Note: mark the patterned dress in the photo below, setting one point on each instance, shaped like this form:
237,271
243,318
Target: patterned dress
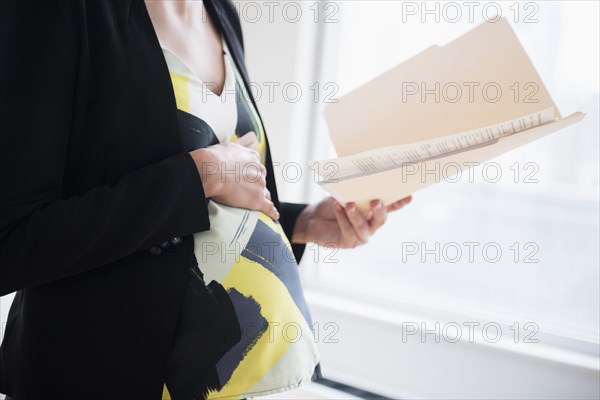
245,329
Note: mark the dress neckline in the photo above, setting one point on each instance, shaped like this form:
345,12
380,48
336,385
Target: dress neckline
229,75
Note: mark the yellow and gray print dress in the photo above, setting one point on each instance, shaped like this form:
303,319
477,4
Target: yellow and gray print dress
248,331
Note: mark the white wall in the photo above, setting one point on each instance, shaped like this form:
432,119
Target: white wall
281,46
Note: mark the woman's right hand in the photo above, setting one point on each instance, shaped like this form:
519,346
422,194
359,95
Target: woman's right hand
232,174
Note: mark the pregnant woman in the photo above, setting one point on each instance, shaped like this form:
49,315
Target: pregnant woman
139,220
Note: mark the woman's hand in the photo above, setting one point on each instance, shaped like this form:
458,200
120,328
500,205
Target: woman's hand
328,223
232,174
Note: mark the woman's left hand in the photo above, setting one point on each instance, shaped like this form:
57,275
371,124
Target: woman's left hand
330,224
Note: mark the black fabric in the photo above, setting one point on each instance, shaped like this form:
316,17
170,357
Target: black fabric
195,133
289,214
93,174
212,329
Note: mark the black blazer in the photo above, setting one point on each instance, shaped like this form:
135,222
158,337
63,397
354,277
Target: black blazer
92,176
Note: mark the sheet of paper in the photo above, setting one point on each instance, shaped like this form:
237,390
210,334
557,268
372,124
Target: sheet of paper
481,79
394,184
386,158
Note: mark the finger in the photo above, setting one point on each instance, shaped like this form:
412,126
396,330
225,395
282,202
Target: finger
248,140
254,172
263,171
358,221
267,194
268,208
273,213
251,173
256,154
348,236
379,215
252,151
398,204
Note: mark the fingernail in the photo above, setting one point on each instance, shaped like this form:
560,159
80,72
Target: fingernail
351,207
338,206
379,205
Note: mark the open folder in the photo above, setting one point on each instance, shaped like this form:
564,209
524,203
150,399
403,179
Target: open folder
446,109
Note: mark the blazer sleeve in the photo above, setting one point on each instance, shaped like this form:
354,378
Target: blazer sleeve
289,214
44,236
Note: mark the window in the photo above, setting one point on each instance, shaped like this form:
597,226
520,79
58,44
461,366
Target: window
524,248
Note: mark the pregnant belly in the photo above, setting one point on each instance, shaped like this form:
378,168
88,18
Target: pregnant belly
249,255
237,232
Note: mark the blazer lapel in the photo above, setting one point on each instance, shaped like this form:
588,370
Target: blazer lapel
223,14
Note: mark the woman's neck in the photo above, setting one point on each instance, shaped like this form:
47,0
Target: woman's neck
184,27
186,12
